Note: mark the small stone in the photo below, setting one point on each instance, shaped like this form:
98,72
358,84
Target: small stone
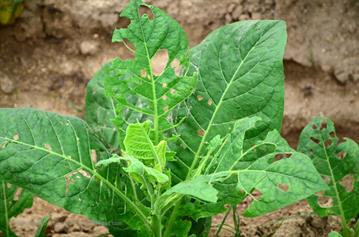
89,47
60,228
6,84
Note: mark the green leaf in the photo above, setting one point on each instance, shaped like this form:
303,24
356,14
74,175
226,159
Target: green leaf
100,109
13,201
275,172
54,157
240,74
338,163
199,187
334,234
150,95
41,230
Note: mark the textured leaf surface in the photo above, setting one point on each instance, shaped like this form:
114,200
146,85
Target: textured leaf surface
240,74
100,109
52,156
270,172
13,201
338,163
140,89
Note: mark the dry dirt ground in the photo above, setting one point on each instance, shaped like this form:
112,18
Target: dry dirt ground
52,51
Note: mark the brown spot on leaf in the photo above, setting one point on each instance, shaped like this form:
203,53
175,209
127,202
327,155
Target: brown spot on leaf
176,65
172,91
143,73
201,132
348,183
164,85
199,97
283,187
341,155
84,173
94,156
166,108
325,202
280,156
16,137
326,179
48,147
164,97
159,61
17,194
328,143
210,102
315,140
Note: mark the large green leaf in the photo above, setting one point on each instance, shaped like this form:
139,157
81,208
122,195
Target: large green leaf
100,109
13,201
275,172
54,157
338,163
240,74
150,95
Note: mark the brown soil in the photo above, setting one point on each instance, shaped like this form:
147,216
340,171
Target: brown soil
51,52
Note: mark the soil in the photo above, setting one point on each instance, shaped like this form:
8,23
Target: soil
54,48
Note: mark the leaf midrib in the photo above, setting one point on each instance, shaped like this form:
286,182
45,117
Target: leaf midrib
229,84
94,173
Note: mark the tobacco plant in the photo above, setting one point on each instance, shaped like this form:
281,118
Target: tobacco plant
338,164
162,151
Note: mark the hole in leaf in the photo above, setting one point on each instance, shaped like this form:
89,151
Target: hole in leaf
280,156
201,132
315,140
210,102
283,187
176,65
325,202
341,155
144,10
348,183
328,143
94,156
16,137
159,61
48,147
122,22
332,134
323,126
314,126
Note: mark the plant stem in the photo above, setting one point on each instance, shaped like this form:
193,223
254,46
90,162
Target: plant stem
236,222
222,222
157,225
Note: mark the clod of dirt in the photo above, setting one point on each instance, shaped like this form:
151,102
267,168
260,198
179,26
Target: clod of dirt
294,228
89,47
6,84
61,228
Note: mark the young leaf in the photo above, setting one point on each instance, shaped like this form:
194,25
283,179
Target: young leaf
52,156
338,163
139,89
13,201
41,230
100,109
240,74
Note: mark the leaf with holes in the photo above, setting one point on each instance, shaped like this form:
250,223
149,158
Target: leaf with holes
50,155
143,89
240,74
13,201
338,163
270,172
